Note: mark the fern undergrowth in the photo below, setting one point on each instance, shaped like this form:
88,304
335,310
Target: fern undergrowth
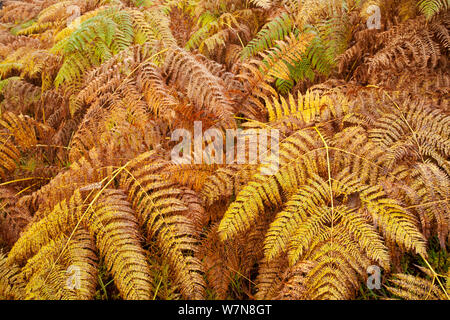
92,205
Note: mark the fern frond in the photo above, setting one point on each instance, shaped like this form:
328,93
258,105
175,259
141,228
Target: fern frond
432,7
60,272
14,218
411,287
99,37
265,4
119,243
160,213
21,128
280,59
9,155
275,30
306,108
112,222
11,285
204,89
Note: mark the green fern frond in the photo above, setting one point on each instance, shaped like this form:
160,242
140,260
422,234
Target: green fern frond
275,30
432,7
280,59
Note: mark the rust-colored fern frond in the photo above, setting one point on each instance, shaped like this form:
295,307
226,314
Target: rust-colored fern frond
206,91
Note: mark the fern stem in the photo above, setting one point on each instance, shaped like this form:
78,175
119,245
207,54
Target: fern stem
435,276
329,181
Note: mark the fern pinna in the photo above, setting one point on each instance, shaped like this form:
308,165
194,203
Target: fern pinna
93,207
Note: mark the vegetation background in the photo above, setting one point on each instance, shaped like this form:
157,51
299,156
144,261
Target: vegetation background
93,208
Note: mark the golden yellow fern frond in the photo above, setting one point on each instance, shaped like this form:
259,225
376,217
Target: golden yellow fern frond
49,283
291,114
63,269
160,212
77,259
21,128
225,182
119,243
339,266
411,287
111,221
266,190
12,286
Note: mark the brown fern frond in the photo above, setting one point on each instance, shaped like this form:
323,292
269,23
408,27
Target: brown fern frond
20,11
205,90
14,218
20,97
424,189
9,155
